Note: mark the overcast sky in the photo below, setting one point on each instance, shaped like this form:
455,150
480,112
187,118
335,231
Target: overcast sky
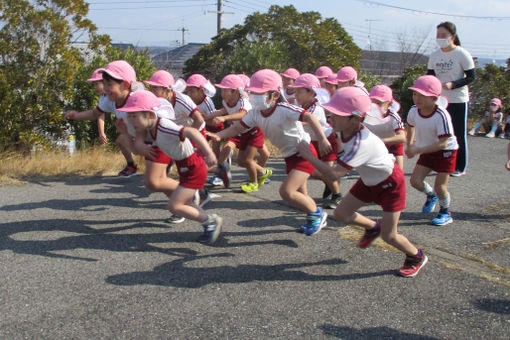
483,26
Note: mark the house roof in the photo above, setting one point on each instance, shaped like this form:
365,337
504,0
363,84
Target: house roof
387,63
175,58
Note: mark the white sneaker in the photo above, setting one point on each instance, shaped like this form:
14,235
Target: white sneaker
216,181
175,219
490,135
471,132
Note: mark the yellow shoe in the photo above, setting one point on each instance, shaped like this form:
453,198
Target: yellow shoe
250,187
262,179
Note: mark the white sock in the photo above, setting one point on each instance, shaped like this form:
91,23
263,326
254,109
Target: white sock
427,190
445,202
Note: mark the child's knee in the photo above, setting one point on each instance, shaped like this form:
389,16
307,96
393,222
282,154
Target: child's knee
389,238
342,215
151,184
416,182
284,193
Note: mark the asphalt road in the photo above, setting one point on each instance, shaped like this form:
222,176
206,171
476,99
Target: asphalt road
93,258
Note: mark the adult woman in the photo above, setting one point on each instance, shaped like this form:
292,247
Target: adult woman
454,66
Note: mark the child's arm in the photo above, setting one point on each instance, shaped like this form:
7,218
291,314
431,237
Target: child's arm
141,148
400,137
324,145
438,146
231,131
324,168
100,127
84,115
198,120
216,113
410,141
122,128
196,136
228,118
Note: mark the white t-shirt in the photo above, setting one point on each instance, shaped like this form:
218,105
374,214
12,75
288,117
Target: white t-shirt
167,110
390,125
281,126
317,110
106,105
289,98
206,107
366,153
169,139
498,116
428,129
450,66
184,107
243,104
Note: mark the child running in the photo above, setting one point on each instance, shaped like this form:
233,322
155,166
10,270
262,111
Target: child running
381,180
250,141
385,122
175,141
430,135
97,82
306,86
119,80
288,78
493,120
281,123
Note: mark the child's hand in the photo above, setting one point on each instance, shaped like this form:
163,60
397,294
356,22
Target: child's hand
71,115
147,151
507,165
304,149
210,159
102,138
410,151
214,137
324,147
121,126
218,120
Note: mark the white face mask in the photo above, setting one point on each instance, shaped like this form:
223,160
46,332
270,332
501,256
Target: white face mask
494,107
443,43
259,101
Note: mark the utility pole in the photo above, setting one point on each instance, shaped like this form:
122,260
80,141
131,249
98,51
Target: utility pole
183,30
220,13
370,32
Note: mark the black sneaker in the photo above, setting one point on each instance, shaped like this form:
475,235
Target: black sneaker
326,192
128,171
212,229
333,202
205,197
175,219
224,174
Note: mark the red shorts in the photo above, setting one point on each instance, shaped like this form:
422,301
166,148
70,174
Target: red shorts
161,157
215,129
255,137
390,194
439,161
192,172
396,149
331,156
296,162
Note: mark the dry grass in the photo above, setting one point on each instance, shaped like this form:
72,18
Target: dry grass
16,168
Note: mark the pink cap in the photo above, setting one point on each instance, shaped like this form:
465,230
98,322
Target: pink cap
307,80
323,72
497,101
291,73
121,70
381,92
97,75
231,81
161,78
428,86
347,73
196,80
142,100
265,80
245,79
331,79
349,101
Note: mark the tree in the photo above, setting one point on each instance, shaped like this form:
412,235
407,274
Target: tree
401,85
37,66
491,81
301,40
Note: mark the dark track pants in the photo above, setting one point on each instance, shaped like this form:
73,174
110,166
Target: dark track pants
459,114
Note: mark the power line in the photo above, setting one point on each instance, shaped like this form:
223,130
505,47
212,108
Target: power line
144,7
376,3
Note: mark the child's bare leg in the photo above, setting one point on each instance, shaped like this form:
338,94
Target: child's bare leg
293,191
123,143
246,159
390,235
400,161
418,177
263,156
156,180
346,212
180,203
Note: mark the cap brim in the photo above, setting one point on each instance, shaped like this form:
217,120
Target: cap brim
152,83
225,87
258,89
425,93
111,74
91,80
335,111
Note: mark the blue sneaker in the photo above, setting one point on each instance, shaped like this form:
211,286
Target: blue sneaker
315,222
215,180
442,219
430,204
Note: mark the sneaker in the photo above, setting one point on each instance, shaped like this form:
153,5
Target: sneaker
262,179
501,135
196,198
128,171
430,204
175,219
413,265
215,180
326,192
205,197
333,202
212,229
457,173
490,135
442,219
315,222
169,168
250,187
369,236
472,132
224,174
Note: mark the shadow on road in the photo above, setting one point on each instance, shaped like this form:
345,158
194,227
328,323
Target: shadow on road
370,333
493,305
